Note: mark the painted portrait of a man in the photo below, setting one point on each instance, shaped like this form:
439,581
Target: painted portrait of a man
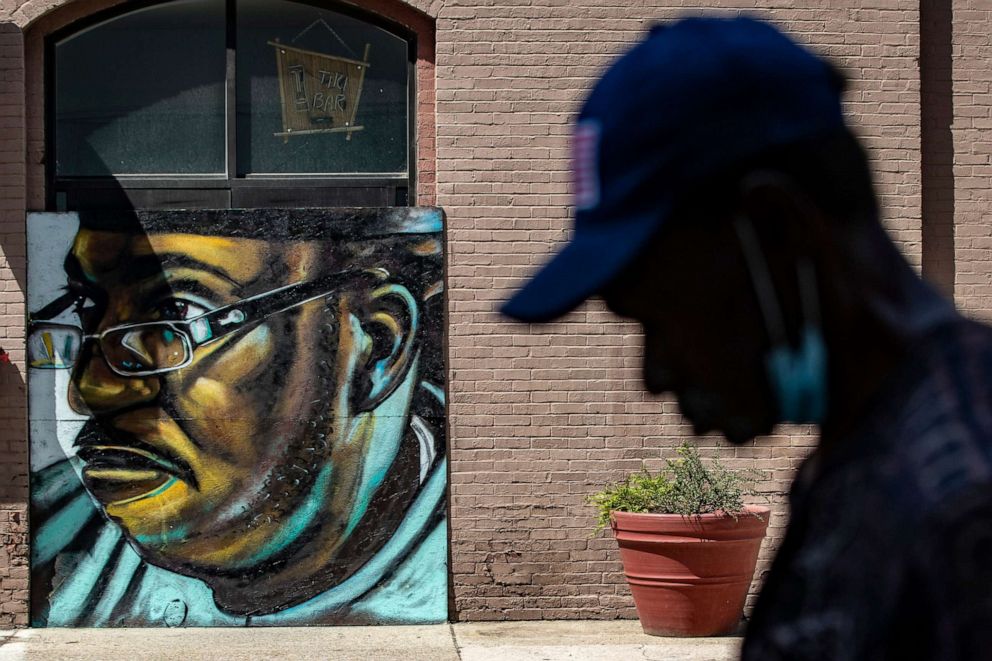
237,418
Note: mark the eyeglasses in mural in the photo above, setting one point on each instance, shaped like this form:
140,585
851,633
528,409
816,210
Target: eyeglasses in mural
237,417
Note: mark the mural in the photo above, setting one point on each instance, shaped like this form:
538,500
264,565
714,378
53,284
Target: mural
237,418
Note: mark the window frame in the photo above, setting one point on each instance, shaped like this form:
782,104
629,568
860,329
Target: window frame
166,191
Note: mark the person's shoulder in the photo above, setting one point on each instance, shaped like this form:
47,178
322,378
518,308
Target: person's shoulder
956,389
968,336
941,437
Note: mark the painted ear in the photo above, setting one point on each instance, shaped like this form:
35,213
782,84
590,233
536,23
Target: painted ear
390,323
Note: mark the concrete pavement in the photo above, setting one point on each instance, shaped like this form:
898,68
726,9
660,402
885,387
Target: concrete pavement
503,641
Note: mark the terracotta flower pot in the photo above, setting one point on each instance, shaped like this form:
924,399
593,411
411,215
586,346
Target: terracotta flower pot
689,574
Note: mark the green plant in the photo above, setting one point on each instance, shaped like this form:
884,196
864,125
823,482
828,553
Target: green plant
687,487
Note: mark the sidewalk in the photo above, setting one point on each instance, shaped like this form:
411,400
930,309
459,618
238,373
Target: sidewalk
503,641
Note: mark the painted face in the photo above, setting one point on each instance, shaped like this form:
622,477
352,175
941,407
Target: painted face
254,449
704,339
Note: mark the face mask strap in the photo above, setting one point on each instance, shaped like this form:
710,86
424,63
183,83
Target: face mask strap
761,280
798,377
809,297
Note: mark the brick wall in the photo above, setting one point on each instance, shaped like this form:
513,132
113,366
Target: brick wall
13,267
972,162
541,417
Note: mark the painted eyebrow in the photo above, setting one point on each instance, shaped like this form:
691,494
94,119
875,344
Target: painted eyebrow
183,285
146,266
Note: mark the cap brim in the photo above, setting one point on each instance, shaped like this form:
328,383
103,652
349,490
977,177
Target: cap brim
582,268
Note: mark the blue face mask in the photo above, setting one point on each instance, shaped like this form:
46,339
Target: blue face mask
797,376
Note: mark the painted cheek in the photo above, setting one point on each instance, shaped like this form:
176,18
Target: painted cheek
219,403
221,416
243,358
226,387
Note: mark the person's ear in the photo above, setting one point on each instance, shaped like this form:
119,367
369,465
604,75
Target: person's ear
790,229
390,322
784,217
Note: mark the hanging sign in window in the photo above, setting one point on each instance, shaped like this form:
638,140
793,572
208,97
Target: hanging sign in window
320,93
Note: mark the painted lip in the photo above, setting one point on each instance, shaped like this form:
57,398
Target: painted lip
119,467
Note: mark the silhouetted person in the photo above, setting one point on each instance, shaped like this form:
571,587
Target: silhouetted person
722,203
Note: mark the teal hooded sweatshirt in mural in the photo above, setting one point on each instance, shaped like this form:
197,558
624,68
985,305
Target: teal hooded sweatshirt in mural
98,579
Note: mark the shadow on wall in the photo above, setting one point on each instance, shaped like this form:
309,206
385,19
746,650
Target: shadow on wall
12,247
937,143
13,469
13,494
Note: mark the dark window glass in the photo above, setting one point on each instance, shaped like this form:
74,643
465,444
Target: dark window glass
307,102
143,93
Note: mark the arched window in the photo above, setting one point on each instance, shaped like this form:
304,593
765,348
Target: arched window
230,104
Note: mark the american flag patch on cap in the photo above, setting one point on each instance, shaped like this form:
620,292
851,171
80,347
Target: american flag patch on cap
585,166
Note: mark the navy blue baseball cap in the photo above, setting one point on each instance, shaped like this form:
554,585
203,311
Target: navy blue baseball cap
695,97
